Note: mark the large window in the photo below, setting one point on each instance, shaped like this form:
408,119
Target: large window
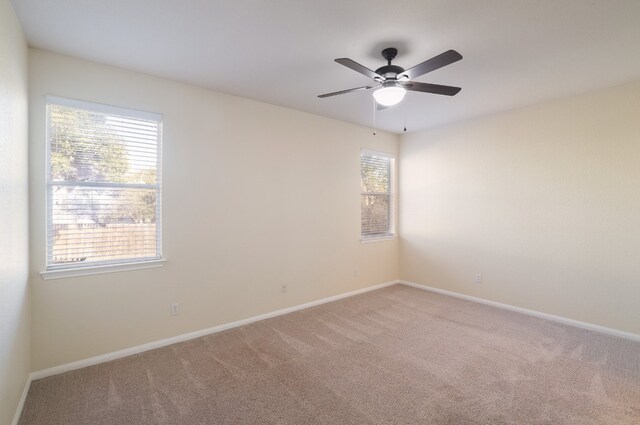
376,196
103,185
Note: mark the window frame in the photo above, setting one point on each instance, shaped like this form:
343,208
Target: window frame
54,271
392,233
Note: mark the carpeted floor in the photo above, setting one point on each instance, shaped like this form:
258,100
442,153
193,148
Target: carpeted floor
398,355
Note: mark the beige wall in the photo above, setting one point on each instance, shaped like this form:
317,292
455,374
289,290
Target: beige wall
15,339
254,195
543,201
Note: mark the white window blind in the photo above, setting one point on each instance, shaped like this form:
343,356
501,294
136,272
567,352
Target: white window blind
103,185
376,197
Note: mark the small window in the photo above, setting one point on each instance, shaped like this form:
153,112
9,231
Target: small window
376,196
103,185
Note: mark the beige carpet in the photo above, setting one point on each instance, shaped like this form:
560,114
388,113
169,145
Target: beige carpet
394,356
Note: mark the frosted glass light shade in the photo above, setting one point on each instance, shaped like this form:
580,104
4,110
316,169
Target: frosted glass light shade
389,96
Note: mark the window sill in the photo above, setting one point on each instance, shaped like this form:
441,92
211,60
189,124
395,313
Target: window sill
110,268
378,239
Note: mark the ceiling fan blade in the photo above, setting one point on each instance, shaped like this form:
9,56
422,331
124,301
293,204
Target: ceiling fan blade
335,93
431,88
359,68
436,62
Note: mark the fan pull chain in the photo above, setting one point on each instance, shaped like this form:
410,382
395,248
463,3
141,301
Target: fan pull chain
374,117
404,107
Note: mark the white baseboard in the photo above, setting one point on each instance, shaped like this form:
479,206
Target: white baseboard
534,313
192,335
23,398
196,334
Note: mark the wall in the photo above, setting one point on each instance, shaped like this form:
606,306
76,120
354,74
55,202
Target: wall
254,195
543,201
15,339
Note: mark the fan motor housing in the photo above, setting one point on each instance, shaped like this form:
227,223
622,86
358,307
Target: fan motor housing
390,71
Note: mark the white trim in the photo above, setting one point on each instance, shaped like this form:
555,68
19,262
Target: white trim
377,238
185,337
100,269
196,334
528,312
379,154
103,108
23,398
159,193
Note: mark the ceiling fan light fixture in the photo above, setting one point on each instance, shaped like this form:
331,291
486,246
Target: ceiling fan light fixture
389,95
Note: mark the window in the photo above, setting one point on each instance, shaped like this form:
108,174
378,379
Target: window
376,196
103,185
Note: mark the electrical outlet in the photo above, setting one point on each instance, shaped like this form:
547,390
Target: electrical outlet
174,309
478,278
283,287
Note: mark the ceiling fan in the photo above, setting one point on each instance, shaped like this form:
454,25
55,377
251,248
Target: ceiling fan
393,81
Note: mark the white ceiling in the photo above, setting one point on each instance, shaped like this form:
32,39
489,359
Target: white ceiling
516,52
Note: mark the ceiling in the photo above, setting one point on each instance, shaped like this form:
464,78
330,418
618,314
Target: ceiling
516,52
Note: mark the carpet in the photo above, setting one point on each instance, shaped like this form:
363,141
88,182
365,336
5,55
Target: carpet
398,355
